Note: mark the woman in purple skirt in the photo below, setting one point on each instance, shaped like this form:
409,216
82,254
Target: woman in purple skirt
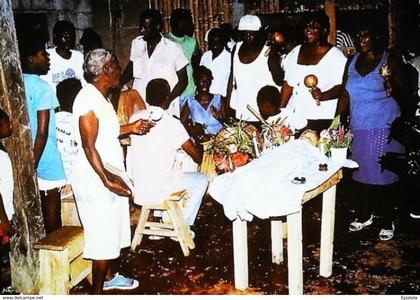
374,88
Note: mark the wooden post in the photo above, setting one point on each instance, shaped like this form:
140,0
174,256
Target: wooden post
391,24
240,253
276,242
330,12
327,232
294,253
28,217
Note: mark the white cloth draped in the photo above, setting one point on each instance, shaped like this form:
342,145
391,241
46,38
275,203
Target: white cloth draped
264,188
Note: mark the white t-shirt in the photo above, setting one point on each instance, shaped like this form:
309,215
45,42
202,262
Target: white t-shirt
329,72
66,141
249,79
6,183
220,69
167,59
150,160
61,68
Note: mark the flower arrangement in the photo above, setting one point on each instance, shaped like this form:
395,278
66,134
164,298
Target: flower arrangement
235,145
276,133
336,136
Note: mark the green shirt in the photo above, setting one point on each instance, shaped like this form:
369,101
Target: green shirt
189,45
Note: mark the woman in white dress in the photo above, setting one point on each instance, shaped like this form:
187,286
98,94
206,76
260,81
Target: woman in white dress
100,195
316,56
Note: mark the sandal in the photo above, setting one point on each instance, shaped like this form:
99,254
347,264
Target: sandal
387,234
357,226
415,215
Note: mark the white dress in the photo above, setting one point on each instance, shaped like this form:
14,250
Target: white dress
329,72
105,216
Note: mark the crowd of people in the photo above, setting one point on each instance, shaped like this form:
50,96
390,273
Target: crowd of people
180,97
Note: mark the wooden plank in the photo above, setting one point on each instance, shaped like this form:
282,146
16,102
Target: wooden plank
160,225
179,229
69,214
277,242
333,180
138,233
327,232
240,253
54,272
80,268
60,238
28,217
294,253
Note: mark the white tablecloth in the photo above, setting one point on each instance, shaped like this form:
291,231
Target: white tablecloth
264,188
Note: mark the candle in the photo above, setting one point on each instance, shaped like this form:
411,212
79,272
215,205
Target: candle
254,140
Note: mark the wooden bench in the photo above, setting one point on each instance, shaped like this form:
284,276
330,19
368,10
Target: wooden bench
61,263
176,227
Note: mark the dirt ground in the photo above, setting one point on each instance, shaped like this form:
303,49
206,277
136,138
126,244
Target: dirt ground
362,263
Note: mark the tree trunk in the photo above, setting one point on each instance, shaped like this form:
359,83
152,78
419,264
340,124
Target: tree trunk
28,217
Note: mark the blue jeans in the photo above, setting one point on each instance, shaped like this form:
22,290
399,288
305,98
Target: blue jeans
196,184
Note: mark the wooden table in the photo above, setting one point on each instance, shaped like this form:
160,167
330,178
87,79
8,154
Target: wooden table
294,240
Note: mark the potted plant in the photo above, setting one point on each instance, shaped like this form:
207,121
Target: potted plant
336,140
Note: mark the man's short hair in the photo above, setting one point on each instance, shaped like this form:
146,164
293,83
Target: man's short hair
67,91
157,90
269,94
29,44
153,14
62,26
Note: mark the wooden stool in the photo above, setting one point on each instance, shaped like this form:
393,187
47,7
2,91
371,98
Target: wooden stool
176,227
69,215
61,263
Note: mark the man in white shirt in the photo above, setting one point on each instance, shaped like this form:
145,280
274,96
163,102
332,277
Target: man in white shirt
151,157
154,56
64,61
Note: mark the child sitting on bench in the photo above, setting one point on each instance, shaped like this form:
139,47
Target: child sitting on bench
151,157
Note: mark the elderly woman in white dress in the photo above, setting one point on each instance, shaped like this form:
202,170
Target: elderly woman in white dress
101,196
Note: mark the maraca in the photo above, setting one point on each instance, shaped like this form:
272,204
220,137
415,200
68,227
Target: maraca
385,72
311,81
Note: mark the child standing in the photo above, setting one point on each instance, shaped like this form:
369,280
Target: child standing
268,101
42,101
67,91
